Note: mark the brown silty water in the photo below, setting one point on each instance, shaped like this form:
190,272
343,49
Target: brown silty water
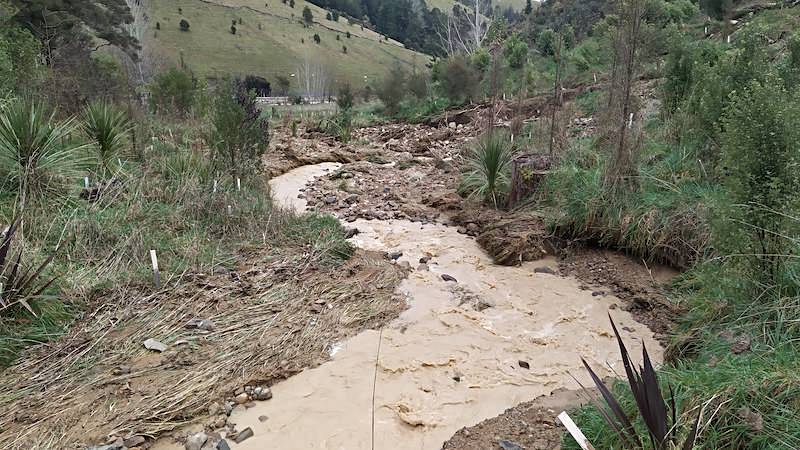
463,351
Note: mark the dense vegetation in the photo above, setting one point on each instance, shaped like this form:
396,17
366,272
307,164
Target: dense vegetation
703,177
92,179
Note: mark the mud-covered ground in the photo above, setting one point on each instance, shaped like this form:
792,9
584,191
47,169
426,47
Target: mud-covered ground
531,425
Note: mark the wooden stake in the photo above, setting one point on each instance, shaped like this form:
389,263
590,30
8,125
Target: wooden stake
156,273
576,432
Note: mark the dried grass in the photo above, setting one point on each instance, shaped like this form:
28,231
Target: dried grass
274,316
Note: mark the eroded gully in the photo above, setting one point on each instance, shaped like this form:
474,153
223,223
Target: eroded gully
462,352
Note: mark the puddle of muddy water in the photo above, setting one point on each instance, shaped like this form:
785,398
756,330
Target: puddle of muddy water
453,358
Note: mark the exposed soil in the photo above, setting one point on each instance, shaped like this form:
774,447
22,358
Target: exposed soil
401,172
531,425
639,285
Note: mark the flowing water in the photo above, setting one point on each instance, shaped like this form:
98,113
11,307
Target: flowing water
463,351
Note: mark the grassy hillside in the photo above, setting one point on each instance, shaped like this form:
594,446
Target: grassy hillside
268,42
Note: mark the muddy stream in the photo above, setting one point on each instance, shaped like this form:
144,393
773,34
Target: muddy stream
462,352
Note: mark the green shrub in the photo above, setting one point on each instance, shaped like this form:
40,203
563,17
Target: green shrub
761,174
481,59
173,91
418,84
240,135
458,79
392,89
516,52
345,97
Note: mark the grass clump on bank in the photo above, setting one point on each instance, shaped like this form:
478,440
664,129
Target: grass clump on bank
195,205
732,184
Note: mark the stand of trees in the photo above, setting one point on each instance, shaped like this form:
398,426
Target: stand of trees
408,21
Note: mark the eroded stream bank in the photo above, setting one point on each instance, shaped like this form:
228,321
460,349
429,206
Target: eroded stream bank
476,339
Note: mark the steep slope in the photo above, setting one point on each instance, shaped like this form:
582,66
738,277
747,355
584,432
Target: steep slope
270,40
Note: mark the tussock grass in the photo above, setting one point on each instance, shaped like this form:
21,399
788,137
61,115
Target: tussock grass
666,220
736,348
163,200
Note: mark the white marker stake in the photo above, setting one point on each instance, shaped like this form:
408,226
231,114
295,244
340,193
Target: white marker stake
215,186
86,182
156,273
573,429
230,210
119,161
729,39
238,184
630,121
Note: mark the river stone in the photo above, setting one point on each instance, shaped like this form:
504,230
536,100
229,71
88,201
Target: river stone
395,255
243,435
223,445
152,344
546,270
262,393
195,441
508,445
242,398
134,441
200,324
447,277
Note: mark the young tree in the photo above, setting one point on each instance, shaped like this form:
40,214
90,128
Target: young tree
516,52
308,16
760,159
558,49
458,79
284,83
173,91
240,136
345,97
392,89
627,44
528,7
